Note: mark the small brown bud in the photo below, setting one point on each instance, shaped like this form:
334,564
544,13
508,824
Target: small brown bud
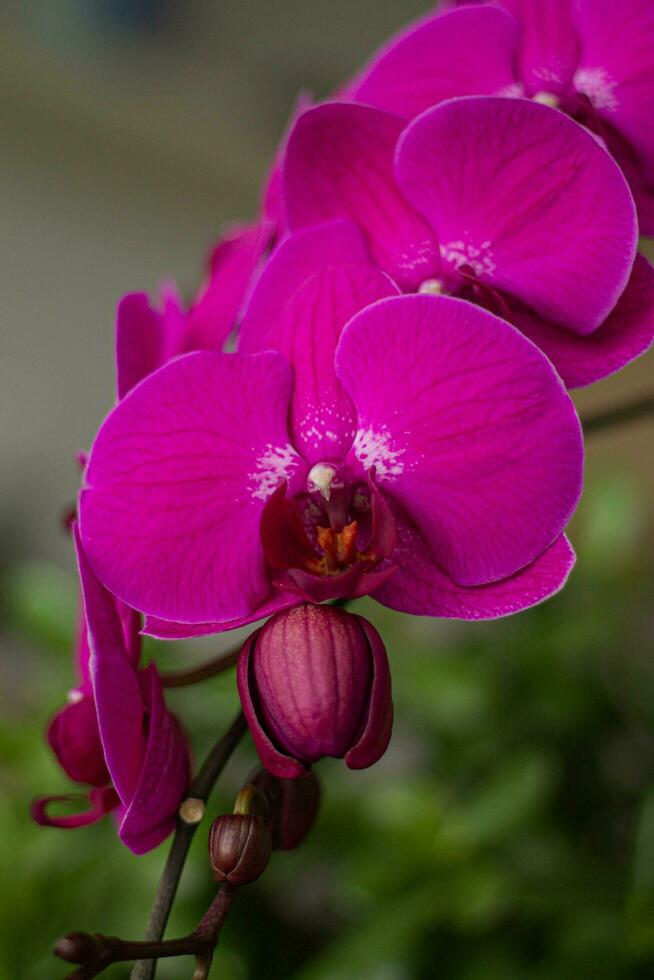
239,848
294,805
76,947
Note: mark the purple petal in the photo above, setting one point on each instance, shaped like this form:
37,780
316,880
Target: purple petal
421,588
339,164
101,801
164,630
164,777
461,52
376,731
276,761
468,426
176,483
139,341
549,48
233,266
625,335
116,690
296,260
146,337
616,69
74,737
528,199
305,328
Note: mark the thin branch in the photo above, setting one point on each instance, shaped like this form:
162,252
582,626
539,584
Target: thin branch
640,408
101,951
182,678
200,790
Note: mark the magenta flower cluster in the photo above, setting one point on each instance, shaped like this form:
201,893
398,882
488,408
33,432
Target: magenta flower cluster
370,394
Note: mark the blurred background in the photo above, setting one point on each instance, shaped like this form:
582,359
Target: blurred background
509,831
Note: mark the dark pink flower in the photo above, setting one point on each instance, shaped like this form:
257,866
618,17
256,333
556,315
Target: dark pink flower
147,336
593,59
503,202
418,440
116,734
314,681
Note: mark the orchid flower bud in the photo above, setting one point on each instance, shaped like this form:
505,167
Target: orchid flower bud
294,804
314,681
239,848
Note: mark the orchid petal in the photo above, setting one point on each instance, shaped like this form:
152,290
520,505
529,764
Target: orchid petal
528,200
625,335
339,164
74,737
116,690
162,629
233,265
139,341
467,426
461,52
305,328
176,483
164,776
616,69
421,588
549,48
100,802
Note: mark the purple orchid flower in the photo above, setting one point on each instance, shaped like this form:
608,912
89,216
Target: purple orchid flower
117,735
593,59
503,202
419,449
147,336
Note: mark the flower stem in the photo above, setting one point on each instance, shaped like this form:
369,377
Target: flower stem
200,789
105,950
182,678
630,412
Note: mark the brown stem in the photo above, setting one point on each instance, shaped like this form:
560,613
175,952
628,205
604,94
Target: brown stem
105,950
637,409
200,790
182,678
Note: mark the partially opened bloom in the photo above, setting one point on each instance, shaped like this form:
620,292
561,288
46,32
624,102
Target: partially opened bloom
506,203
593,59
117,735
314,681
427,454
149,335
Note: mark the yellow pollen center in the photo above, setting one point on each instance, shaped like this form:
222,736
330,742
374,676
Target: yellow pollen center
547,98
431,287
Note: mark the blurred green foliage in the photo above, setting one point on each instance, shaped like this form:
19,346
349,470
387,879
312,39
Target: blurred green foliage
507,834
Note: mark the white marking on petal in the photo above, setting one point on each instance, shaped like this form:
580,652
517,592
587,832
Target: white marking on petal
374,447
74,696
276,463
597,84
479,258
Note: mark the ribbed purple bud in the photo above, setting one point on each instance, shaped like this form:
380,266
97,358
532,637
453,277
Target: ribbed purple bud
314,681
293,807
239,848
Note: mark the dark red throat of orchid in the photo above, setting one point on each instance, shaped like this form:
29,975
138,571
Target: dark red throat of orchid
329,528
